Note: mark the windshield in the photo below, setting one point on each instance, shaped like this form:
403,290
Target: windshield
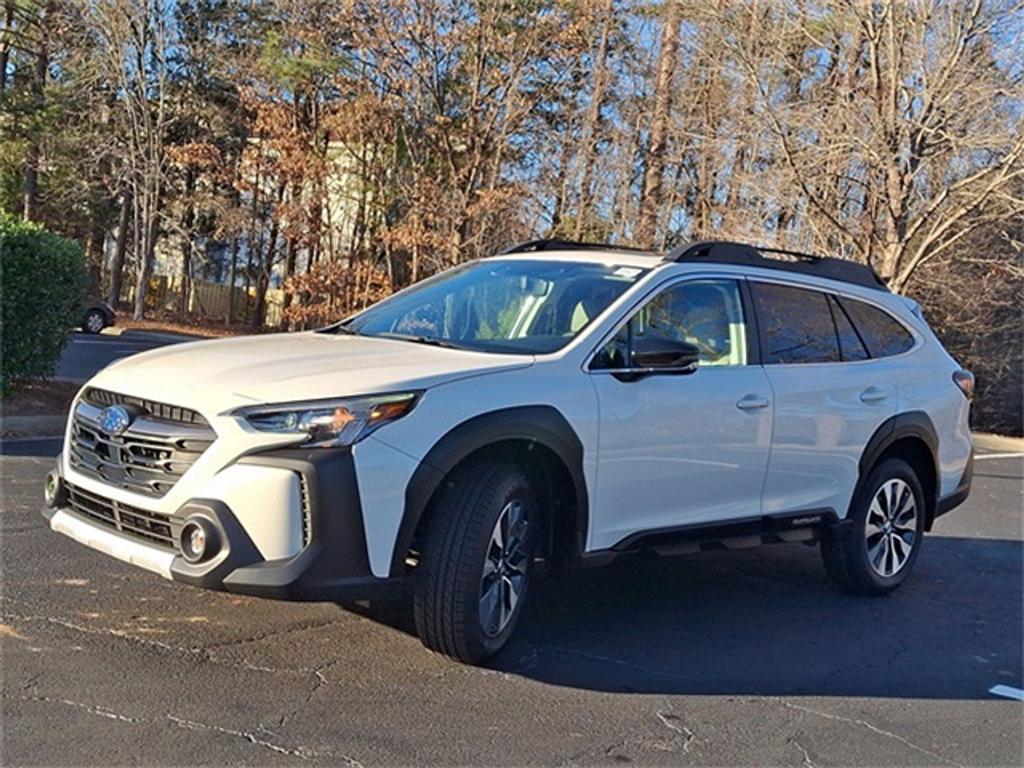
529,306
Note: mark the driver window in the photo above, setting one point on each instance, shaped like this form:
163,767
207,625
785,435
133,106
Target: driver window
705,313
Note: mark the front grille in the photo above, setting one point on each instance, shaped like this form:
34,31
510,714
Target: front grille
151,527
148,458
160,411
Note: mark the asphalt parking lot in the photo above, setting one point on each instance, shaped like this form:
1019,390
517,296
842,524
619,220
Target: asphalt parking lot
746,658
86,354
743,658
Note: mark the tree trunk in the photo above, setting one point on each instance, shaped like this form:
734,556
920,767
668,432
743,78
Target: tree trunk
291,254
590,128
149,223
651,194
5,44
231,280
188,220
30,210
94,252
267,268
561,199
117,262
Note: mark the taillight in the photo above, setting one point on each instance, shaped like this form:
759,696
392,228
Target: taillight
965,380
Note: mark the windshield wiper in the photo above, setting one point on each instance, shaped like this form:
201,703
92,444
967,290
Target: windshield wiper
432,341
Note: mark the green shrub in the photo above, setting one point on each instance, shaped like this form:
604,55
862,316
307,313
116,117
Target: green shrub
42,285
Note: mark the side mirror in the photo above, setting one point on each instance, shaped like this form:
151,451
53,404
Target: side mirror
661,355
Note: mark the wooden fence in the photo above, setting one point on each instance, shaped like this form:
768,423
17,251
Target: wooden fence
208,299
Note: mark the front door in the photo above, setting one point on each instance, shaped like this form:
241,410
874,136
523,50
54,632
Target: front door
681,449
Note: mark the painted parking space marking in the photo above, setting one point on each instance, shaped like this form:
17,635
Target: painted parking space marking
1007,691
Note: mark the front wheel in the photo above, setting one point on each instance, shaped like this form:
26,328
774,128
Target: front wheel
94,321
476,563
875,553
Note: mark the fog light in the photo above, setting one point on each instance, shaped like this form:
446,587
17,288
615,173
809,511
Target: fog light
199,540
54,493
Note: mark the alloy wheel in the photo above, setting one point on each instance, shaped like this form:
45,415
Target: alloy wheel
503,580
891,527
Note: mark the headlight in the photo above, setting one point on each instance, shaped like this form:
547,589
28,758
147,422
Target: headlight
331,422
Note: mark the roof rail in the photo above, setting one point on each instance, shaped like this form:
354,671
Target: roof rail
724,252
555,244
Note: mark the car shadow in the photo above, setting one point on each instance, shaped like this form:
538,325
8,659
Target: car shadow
769,622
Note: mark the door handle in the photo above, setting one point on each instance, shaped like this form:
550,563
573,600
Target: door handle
873,395
752,403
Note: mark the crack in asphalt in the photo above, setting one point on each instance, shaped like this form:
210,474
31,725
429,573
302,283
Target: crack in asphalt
864,724
198,653
301,752
670,720
92,710
276,633
321,681
773,699
808,763
682,738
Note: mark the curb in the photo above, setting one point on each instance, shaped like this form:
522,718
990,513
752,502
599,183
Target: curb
989,442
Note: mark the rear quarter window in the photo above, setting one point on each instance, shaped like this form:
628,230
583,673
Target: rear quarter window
883,335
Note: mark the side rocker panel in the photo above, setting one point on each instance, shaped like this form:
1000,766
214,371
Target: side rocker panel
542,424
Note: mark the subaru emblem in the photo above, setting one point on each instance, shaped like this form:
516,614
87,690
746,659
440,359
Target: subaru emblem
114,420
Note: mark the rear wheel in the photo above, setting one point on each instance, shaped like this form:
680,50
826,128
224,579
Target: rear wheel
476,566
875,553
94,321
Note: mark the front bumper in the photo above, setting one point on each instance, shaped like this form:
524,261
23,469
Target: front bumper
332,565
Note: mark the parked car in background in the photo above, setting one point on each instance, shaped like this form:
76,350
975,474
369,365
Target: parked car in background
561,404
97,316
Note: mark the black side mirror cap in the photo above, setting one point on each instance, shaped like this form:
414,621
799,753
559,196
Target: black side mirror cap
661,355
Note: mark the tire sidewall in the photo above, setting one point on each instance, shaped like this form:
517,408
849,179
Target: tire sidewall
890,469
513,486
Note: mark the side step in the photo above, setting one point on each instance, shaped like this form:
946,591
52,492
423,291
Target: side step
804,527
688,547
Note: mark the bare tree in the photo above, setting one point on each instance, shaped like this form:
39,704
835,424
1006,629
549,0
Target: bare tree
657,144
136,38
895,162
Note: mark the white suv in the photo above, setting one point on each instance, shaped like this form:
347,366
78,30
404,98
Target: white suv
560,404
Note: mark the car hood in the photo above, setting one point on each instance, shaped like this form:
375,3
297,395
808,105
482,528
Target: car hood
226,373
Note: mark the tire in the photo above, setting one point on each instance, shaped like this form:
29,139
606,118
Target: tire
94,321
876,551
452,617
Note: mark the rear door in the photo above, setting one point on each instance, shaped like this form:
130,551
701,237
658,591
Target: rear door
830,396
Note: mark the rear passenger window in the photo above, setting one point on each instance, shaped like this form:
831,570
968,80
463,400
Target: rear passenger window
882,334
850,345
795,324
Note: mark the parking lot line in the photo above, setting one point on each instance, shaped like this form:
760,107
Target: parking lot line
1007,691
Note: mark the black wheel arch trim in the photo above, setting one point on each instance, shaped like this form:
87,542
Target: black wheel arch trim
541,424
916,424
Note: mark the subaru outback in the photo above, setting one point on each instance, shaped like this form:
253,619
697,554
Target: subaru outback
559,405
